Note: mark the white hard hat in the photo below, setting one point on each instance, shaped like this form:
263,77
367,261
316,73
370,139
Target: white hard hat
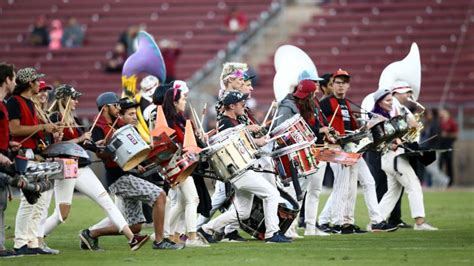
149,85
179,84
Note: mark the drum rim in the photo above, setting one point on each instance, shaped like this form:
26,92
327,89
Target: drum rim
293,148
286,123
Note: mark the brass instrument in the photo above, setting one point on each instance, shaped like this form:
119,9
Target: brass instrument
414,133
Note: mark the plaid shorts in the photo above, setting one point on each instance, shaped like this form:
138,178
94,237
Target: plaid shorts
134,191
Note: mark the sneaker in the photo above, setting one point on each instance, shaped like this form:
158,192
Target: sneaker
167,244
26,251
88,242
336,229
325,228
196,243
137,241
206,236
5,253
45,247
358,230
278,237
347,229
424,227
233,237
314,232
218,236
382,227
404,225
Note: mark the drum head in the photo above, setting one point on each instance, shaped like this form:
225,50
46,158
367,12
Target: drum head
184,174
136,160
285,125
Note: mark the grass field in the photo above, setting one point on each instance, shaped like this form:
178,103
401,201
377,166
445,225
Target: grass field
453,244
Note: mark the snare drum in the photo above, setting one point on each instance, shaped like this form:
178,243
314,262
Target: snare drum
301,155
292,131
232,152
356,142
382,133
129,147
176,172
288,209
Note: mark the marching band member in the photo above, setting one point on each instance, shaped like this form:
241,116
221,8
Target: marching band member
246,185
23,121
7,84
40,101
402,175
301,102
187,198
86,182
232,78
342,199
130,190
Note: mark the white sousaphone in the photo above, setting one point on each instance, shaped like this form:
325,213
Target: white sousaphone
289,62
408,70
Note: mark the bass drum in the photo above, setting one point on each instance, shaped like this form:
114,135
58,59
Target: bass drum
288,210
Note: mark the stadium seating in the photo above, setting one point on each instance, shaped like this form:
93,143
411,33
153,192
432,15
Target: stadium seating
196,24
365,36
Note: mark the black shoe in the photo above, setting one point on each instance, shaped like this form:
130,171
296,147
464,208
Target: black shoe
218,236
138,241
336,229
325,228
206,236
278,237
89,242
5,253
25,250
358,230
383,227
347,229
167,244
233,237
404,225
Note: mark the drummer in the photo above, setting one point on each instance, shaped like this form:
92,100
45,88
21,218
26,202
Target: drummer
86,181
301,102
130,196
246,185
340,206
187,200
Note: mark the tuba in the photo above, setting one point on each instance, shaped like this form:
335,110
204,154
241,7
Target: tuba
408,70
147,59
289,62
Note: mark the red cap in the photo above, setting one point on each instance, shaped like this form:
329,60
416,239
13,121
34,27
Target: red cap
305,88
341,72
44,86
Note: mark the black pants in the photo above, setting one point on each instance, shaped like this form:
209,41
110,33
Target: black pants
446,158
374,161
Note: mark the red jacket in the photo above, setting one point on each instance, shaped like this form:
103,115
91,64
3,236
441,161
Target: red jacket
4,128
28,119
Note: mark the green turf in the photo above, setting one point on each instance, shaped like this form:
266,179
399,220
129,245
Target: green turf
452,212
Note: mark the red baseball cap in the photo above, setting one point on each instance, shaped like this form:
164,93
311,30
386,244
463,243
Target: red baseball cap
44,86
305,88
341,72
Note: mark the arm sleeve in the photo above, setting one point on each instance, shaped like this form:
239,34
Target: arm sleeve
225,123
13,109
97,134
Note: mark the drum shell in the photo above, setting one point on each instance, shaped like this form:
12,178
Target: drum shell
303,157
178,172
288,209
129,147
292,131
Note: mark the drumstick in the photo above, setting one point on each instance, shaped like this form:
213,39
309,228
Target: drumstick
276,137
52,105
29,136
333,116
66,109
70,126
268,113
204,111
273,121
96,119
112,129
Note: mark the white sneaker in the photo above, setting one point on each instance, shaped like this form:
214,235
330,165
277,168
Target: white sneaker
152,237
424,227
314,232
321,233
196,243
